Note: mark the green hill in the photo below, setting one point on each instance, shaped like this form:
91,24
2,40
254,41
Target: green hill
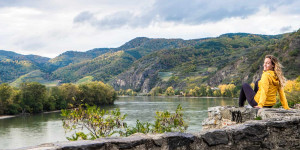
230,58
102,68
34,76
85,79
73,57
143,63
13,65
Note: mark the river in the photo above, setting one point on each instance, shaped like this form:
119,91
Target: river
36,129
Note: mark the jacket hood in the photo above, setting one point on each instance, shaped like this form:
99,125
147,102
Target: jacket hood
273,77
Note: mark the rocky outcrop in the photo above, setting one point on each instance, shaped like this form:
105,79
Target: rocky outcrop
277,132
141,77
220,117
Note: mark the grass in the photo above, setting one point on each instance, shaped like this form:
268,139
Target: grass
34,76
165,76
193,81
85,79
212,69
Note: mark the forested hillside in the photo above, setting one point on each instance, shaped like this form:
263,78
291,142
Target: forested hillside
228,59
13,65
102,68
144,63
73,57
195,65
117,60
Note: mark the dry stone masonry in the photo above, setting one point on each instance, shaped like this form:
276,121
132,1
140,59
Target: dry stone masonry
225,128
220,117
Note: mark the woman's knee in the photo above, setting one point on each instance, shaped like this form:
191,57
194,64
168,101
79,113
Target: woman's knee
245,85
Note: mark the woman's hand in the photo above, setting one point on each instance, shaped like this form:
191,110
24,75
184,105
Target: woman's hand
257,107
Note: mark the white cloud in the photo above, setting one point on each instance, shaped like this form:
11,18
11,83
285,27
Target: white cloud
50,27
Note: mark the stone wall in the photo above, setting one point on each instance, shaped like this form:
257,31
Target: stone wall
222,116
271,133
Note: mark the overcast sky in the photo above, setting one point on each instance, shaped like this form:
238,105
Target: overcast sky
51,27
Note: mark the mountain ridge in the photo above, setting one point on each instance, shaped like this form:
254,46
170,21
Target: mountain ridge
143,63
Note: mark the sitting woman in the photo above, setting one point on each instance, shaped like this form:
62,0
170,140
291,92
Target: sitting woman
272,80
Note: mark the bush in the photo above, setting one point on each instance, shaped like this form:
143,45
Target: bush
168,122
13,109
170,91
293,98
101,123
156,91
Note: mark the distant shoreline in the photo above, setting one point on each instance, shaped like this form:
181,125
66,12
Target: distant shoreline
11,116
175,96
179,96
7,116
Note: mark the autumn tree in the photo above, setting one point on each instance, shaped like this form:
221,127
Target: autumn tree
97,93
69,93
170,91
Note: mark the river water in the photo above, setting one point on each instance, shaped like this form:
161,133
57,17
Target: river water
36,129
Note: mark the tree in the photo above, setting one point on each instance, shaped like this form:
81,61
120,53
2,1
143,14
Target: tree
6,93
170,91
156,91
222,88
209,91
217,93
33,95
57,97
97,93
202,91
69,94
130,92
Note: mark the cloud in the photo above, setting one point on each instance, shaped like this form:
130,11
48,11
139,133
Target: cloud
83,17
203,11
285,29
50,27
192,12
115,20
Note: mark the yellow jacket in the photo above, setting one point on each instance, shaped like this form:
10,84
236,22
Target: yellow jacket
267,90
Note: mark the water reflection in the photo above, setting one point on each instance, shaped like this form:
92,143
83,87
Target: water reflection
44,128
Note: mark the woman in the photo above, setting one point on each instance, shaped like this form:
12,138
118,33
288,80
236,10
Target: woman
272,80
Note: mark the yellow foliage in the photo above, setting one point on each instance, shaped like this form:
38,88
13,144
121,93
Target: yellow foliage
222,88
252,85
192,92
292,85
215,93
230,87
170,91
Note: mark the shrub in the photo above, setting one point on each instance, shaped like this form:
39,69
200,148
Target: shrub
101,123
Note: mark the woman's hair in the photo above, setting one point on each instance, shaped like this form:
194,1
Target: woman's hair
277,69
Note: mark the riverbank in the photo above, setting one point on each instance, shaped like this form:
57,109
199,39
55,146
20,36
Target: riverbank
177,96
11,116
7,116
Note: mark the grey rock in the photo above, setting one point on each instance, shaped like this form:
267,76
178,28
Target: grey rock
177,139
215,138
251,132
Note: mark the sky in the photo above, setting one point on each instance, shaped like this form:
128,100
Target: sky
51,27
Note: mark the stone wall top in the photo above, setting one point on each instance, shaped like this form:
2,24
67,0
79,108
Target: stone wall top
222,116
